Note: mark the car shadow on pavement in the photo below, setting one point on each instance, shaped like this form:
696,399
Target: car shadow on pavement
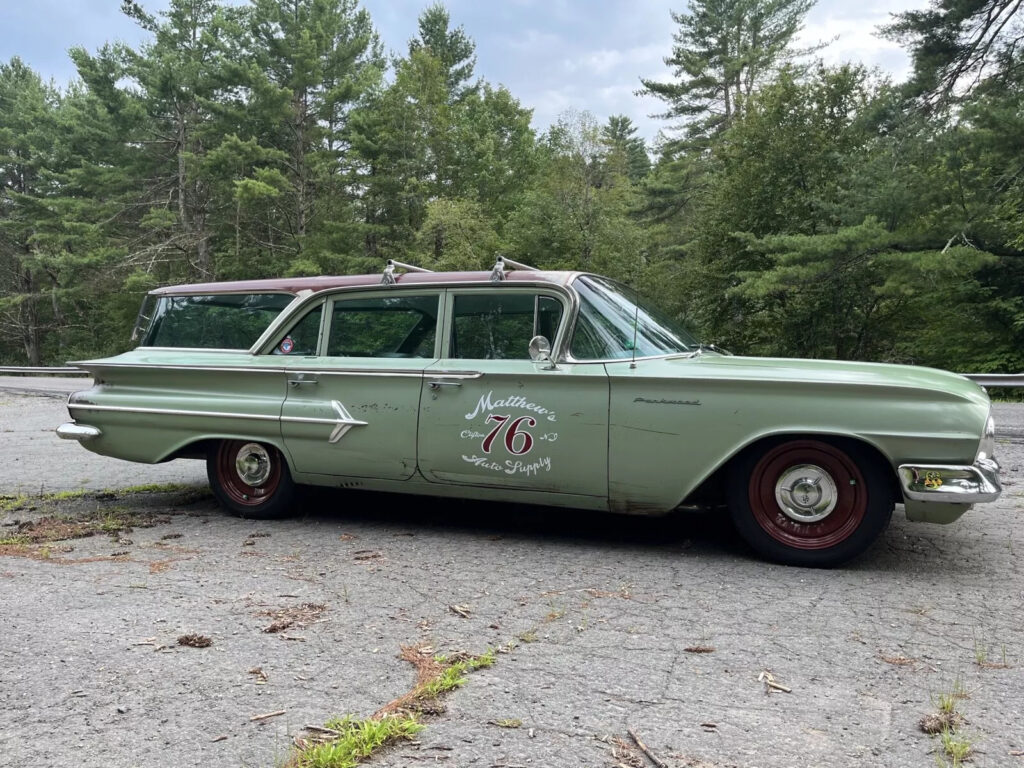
707,532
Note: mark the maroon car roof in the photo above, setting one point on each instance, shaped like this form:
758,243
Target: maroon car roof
296,284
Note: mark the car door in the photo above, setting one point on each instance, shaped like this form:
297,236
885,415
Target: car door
351,409
491,416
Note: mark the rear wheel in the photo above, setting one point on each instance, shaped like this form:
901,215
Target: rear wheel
810,502
250,479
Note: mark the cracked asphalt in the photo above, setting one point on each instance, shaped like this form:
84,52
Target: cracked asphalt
596,614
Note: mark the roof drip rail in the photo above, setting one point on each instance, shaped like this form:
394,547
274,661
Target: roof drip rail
498,273
390,278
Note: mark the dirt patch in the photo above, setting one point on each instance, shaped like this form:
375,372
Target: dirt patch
297,616
195,641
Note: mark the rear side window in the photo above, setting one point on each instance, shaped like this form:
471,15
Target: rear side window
211,321
303,336
384,326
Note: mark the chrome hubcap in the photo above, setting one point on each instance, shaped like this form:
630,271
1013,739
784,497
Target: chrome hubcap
806,493
253,464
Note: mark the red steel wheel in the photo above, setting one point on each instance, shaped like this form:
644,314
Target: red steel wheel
249,478
810,502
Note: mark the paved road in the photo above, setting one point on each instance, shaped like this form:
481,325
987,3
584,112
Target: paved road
34,460
602,611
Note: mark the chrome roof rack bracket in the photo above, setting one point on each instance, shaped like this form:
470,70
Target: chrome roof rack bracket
498,273
390,278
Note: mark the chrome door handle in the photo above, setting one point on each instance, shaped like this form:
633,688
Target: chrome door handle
435,385
300,380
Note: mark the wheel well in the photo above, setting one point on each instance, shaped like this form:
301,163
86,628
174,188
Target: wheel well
194,450
712,491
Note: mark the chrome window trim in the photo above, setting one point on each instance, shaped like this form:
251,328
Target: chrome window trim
569,359
562,285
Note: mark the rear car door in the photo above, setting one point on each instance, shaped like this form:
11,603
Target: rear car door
351,409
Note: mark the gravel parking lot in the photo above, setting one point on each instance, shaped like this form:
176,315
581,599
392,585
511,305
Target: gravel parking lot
605,624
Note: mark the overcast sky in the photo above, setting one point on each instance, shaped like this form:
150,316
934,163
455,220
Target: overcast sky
553,55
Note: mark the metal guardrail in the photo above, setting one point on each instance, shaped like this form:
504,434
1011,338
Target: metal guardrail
997,379
44,371
984,379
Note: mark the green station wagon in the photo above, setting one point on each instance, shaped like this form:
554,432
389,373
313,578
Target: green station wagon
552,388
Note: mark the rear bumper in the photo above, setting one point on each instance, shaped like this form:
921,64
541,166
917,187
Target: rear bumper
79,432
948,483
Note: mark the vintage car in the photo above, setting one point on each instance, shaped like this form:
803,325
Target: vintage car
553,388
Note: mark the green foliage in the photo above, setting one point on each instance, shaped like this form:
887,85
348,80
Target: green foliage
791,209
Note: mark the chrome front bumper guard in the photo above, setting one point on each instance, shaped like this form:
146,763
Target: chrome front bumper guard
956,484
79,432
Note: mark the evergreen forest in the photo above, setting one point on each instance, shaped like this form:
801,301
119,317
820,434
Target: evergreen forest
786,208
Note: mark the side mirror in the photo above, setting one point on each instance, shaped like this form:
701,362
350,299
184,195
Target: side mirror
540,351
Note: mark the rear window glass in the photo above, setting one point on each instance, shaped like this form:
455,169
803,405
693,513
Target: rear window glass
214,321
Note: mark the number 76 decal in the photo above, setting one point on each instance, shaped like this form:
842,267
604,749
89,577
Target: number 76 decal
517,442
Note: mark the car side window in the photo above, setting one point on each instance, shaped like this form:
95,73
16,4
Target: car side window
384,326
303,336
499,326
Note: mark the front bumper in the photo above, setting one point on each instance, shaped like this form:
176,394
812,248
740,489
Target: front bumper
948,483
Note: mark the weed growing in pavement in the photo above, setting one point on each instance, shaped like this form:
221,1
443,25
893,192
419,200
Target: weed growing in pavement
356,740
946,723
453,675
529,636
956,746
345,742
982,659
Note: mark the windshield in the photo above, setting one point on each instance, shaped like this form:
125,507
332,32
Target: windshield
615,323
210,321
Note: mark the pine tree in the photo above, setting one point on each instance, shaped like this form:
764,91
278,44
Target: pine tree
314,61
723,50
453,48
619,134
955,44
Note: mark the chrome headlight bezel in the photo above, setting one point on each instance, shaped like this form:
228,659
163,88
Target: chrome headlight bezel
987,446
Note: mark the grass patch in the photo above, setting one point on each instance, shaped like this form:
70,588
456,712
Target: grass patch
64,495
355,740
345,742
529,636
150,488
11,502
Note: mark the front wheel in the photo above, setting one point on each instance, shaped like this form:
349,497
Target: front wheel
810,502
250,479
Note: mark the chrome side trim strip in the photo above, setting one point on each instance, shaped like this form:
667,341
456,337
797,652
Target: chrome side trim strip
177,412
398,372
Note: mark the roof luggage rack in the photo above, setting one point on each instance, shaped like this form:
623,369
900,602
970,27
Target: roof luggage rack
390,278
498,273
